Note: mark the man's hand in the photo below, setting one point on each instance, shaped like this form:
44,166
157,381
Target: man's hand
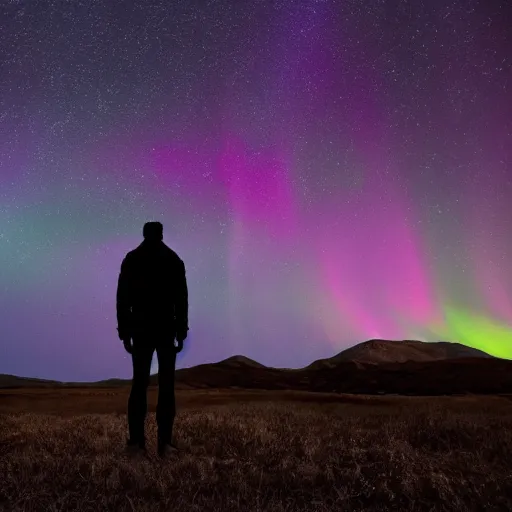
128,345
180,338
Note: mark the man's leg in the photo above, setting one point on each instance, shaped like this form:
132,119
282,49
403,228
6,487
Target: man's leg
137,403
166,407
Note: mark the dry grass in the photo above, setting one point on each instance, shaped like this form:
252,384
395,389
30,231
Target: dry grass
402,454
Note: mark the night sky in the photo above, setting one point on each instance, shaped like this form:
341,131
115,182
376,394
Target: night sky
329,171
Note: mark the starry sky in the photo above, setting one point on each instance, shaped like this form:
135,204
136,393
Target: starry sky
329,171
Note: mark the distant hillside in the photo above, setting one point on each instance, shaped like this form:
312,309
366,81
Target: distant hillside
13,381
240,362
372,367
378,351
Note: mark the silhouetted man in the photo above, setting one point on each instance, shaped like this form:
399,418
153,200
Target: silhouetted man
152,312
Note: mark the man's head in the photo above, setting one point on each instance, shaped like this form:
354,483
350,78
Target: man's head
153,231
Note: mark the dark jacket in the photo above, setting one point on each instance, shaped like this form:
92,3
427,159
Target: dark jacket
152,294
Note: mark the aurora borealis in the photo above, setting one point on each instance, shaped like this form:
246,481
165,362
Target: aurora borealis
329,172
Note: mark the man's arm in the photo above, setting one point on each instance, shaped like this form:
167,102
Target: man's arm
123,302
181,304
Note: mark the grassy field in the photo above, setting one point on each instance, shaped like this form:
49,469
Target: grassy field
258,451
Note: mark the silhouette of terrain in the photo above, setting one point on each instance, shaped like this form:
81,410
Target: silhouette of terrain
373,367
13,381
378,351
240,362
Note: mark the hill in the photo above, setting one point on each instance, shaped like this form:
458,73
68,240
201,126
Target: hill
373,367
240,362
377,351
14,381
441,377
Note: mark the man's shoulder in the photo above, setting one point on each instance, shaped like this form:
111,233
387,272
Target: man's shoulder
140,254
130,255
170,253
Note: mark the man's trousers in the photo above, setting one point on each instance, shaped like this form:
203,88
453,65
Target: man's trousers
142,355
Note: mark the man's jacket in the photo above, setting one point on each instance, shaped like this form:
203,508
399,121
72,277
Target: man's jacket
152,294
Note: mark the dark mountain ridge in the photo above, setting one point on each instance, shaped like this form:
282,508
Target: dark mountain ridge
377,351
372,367
240,362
